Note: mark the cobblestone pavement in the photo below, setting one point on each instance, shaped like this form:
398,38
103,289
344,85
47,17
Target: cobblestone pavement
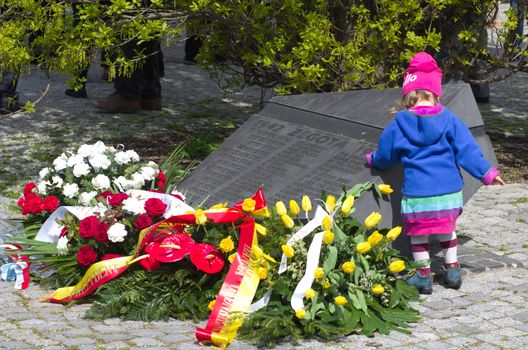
490,311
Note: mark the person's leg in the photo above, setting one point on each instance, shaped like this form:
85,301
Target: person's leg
422,279
192,48
150,90
8,96
449,244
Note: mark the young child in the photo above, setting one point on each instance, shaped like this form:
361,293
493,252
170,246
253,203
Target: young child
431,143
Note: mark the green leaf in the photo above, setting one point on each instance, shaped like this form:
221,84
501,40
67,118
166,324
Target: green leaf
331,259
362,301
339,235
355,300
410,292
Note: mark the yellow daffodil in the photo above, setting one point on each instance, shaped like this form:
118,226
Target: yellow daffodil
327,223
348,267
363,247
340,300
211,305
326,283
347,205
219,206
261,229
259,254
287,221
330,203
294,207
394,233
231,258
372,220
397,266
306,204
288,251
385,189
263,273
328,237
377,289
281,208
319,273
300,313
375,238
309,294
200,217
248,205
227,245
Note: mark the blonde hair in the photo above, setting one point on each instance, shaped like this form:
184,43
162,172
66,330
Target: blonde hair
411,99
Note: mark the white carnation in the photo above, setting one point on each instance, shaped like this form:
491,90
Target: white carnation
122,158
100,161
44,172
85,150
81,169
86,197
70,190
122,183
62,245
57,181
61,162
134,205
137,181
117,232
75,159
42,187
101,182
148,173
134,157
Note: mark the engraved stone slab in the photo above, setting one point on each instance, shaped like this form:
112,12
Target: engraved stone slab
304,144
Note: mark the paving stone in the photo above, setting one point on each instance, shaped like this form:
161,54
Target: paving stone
78,341
116,345
145,342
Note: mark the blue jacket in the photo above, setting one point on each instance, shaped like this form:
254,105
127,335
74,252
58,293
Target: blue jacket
430,148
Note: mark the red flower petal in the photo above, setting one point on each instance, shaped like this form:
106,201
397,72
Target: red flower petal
258,197
206,258
172,248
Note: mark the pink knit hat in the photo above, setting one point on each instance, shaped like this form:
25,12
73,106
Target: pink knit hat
423,73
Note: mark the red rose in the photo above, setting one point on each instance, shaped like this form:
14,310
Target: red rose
115,199
102,234
21,202
30,186
161,181
110,256
161,185
86,256
51,203
155,207
142,221
161,176
89,227
33,205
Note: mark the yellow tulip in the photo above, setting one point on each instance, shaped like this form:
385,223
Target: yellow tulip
261,229
300,313
377,289
200,217
330,203
211,305
326,283
306,204
281,208
227,245
288,250
363,247
287,221
347,205
248,205
319,273
231,258
394,233
309,294
294,207
263,273
327,223
372,220
340,300
397,266
328,237
348,267
385,189
375,238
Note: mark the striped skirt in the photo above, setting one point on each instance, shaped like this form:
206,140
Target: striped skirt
431,215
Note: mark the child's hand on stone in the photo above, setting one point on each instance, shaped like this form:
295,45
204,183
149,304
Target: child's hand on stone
498,181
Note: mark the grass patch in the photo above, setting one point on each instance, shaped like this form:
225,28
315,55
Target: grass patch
200,147
520,201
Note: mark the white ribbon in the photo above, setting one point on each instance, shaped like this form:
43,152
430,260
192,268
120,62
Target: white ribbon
310,226
50,230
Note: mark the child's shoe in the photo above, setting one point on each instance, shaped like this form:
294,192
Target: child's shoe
452,277
423,283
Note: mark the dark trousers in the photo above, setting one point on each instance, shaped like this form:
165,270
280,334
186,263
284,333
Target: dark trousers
8,95
192,47
144,83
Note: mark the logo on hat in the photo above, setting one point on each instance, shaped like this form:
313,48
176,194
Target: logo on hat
409,78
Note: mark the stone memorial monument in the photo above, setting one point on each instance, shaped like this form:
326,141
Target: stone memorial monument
303,144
